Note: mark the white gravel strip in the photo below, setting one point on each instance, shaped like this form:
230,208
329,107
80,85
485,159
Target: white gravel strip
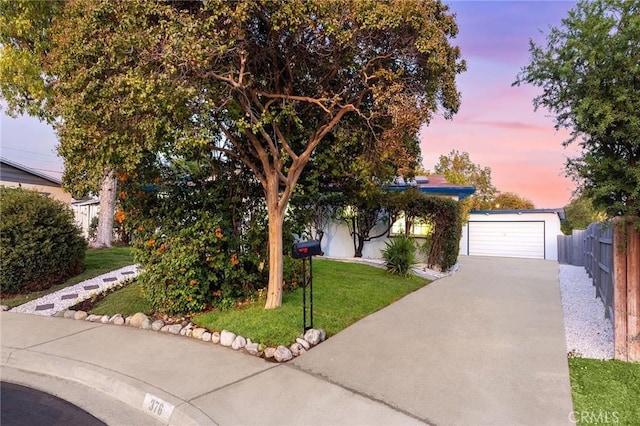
588,333
62,299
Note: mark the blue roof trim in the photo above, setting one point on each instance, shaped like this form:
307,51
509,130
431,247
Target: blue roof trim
461,192
560,212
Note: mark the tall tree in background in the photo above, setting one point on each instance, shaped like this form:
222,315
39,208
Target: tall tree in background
580,214
509,201
589,73
92,70
112,92
458,169
277,77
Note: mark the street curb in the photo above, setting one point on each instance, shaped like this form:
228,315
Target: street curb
125,389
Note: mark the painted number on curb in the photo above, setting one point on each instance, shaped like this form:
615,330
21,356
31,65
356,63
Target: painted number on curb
157,407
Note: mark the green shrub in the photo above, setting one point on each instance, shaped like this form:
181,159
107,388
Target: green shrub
40,243
400,255
186,267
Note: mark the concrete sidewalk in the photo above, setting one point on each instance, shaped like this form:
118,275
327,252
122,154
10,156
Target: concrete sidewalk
482,347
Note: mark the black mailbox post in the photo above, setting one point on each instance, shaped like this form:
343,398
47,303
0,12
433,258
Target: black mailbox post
306,250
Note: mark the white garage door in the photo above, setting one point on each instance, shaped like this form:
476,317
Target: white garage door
507,239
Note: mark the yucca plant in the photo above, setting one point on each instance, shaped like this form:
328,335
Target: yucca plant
399,255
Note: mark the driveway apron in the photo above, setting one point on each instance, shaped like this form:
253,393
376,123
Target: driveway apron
482,347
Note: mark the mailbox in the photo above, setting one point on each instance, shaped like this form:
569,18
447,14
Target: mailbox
305,249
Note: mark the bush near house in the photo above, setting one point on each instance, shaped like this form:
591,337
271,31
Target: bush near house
445,216
40,244
400,255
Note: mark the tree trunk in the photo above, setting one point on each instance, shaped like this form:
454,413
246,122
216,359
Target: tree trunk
359,247
104,235
276,267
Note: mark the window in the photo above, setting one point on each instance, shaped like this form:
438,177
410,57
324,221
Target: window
419,228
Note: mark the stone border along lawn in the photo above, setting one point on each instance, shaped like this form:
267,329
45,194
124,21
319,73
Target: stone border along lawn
62,300
225,338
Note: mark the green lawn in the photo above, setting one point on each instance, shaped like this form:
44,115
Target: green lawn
97,262
343,294
126,301
605,392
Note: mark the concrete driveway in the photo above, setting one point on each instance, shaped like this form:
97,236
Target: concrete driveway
482,347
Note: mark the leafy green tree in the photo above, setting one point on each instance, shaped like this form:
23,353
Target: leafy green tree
458,169
589,73
580,213
113,94
509,201
25,39
277,77
93,69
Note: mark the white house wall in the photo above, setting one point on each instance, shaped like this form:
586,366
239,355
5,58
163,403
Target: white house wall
338,243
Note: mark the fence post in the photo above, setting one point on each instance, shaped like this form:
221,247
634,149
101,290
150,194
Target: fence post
619,292
633,292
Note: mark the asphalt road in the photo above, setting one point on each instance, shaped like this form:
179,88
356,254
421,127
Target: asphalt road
21,405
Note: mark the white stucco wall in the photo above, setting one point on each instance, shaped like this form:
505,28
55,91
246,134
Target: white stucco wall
338,243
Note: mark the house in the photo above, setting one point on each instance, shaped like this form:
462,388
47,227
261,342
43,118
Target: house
14,175
337,241
512,233
85,211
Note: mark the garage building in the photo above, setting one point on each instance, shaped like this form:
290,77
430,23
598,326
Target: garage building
512,233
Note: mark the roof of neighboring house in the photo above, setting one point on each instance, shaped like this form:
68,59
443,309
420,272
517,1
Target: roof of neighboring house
14,172
560,212
435,185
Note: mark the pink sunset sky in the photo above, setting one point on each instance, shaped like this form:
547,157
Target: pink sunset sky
496,123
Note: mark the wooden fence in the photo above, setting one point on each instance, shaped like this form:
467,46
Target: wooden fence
610,252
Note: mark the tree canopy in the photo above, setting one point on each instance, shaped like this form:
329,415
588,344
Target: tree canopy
589,74
277,77
262,82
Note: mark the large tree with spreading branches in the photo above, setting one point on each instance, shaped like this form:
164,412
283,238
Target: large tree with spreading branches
589,73
276,77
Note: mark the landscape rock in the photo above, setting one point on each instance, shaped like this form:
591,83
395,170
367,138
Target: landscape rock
303,343
189,332
282,354
312,336
227,338
252,348
146,324
59,314
127,320
295,348
164,329
119,320
138,319
323,334
238,343
69,313
4,308
104,319
215,337
175,328
114,318
206,336
80,315
198,332
93,318
269,353
157,325
183,332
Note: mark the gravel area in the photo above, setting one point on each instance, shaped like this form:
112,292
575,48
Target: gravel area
60,300
588,333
